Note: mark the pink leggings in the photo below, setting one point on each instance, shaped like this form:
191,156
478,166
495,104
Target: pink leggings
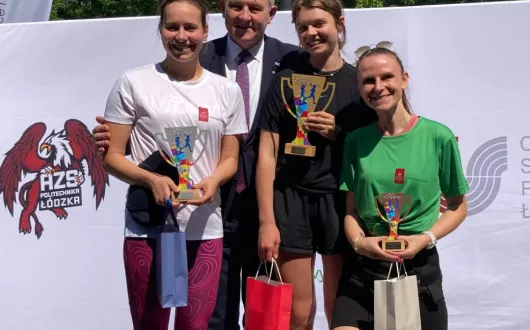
204,267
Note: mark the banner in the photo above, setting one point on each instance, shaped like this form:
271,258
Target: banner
20,11
61,244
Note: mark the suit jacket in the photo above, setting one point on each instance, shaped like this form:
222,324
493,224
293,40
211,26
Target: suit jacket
213,58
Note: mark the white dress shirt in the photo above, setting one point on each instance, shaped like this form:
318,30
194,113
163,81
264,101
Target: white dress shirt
255,69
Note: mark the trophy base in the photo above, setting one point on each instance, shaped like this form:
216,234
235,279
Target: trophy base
394,245
300,150
187,195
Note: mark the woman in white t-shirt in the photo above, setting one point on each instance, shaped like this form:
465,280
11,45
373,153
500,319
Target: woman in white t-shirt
177,92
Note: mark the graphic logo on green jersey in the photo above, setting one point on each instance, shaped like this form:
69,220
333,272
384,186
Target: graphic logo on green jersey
483,174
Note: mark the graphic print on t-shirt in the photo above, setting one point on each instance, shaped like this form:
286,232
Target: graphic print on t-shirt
203,114
399,176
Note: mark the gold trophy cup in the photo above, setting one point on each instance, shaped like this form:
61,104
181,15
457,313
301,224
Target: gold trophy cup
307,90
393,205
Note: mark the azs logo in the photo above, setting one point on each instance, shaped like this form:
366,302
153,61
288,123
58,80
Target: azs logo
483,174
57,160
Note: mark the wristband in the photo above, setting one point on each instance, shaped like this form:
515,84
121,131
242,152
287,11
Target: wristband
432,238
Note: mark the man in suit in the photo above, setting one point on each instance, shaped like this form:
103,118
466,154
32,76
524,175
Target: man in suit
246,21
247,56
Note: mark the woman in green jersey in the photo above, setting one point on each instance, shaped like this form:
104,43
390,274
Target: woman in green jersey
396,169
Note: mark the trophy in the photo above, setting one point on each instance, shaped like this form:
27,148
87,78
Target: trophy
393,204
177,149
306,91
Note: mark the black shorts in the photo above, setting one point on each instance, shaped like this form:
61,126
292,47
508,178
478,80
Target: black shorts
354,306
310,222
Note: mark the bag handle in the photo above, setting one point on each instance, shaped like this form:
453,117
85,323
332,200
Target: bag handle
397,269
257,273
269,275
169,210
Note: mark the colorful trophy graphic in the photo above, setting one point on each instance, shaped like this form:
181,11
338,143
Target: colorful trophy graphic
177,149
306,91
393,204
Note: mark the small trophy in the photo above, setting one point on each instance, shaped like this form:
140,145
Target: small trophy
393,205
306,91
177,149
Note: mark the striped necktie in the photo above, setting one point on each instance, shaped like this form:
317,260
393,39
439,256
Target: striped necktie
243,81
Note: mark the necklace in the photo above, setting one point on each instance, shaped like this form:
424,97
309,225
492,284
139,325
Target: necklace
325,73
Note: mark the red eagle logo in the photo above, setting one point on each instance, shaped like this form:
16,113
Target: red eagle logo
58,153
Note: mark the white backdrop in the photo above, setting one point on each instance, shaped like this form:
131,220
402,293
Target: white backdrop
18,11
469,69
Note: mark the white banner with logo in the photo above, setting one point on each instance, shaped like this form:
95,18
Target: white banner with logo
21,11
61,238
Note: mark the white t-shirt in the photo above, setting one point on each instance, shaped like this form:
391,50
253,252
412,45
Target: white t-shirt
149,100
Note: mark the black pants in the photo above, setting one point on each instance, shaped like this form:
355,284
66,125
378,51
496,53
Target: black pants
354,305
240,259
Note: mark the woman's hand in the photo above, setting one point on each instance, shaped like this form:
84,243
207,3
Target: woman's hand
208,187
323,123
369,247
101,135
414,244
268,242
163,187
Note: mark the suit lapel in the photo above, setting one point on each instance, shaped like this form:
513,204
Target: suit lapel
270,55
217,60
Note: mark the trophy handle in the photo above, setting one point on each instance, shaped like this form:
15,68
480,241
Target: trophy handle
328,85
163,137
283,95
409,198
167,158
287,80
193,161
377,199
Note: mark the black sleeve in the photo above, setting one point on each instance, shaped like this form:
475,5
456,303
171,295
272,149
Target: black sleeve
272,108
366,115
359,114
291,60
356,116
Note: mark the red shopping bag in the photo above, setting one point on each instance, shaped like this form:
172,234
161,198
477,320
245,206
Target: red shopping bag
268,303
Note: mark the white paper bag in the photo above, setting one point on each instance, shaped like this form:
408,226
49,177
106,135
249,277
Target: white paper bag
396,303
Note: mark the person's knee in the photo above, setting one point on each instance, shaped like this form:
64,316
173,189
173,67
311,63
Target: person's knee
302,314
